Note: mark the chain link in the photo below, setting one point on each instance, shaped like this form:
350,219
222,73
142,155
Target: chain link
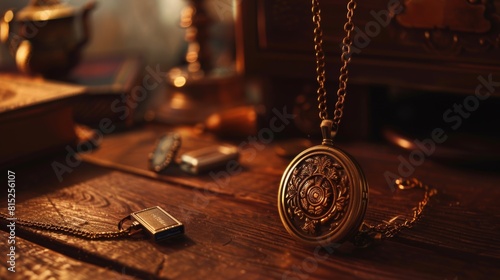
69,230
320,63
370,233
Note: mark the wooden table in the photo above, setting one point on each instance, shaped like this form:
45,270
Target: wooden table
233,230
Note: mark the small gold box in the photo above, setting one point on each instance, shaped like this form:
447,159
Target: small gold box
158,223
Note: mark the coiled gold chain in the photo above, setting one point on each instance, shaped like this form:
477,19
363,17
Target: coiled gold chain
69,230
369,233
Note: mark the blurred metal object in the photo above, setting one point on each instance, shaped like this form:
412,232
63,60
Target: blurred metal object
197,23
195,19
204,84
165,151
47,36
209,158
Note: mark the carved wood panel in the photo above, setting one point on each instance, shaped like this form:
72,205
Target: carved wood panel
397,28
421,44
452,27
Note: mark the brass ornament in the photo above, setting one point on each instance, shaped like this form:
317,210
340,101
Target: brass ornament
323,196
323,193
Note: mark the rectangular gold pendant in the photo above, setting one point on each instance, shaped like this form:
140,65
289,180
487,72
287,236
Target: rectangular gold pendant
158,223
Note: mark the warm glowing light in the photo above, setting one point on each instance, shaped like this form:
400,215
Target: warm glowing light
190,34
213,122
187,16
174,72
4,32
44,15
178,101
194,47
191,57
23,55
194,67
192,52
404,143
179,81
9,15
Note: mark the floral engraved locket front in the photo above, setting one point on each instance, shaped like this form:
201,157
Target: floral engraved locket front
323,196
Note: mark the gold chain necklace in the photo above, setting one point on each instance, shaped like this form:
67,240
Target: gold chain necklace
153,221
320,63
69,230
323,194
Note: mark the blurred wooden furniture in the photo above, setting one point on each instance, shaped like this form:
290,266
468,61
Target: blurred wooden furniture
232,224
412,60
421,44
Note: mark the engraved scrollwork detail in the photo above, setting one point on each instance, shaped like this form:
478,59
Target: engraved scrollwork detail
317,194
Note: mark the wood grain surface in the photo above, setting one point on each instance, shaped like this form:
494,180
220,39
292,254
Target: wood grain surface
35,262
232,225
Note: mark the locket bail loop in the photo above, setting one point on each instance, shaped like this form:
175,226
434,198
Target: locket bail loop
327,132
